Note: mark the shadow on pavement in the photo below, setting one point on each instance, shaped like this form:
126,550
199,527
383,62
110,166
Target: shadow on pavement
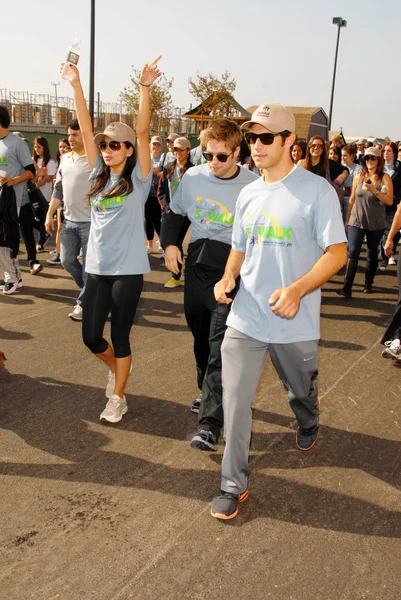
14,335
50,415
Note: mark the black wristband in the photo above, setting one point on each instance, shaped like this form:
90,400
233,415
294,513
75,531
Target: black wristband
144,84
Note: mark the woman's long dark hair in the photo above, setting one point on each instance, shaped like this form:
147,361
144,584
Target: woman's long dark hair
171,167
58,155
324,157
123,187
42,141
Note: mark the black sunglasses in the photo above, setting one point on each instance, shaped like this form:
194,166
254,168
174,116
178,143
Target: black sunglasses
370,157
209,156
266,138
112,145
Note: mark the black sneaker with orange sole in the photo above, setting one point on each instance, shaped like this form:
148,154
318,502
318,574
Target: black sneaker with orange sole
306,438
225,505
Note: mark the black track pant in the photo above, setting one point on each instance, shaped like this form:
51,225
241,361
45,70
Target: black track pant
118,294
207,321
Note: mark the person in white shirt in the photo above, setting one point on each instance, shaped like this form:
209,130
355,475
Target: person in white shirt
287,240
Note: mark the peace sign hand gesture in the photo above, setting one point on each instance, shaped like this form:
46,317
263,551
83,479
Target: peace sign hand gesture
150,73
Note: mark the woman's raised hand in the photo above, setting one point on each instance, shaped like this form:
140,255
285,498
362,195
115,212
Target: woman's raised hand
70,73
150,73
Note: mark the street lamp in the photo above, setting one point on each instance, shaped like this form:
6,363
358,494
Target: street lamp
55,84
92,64
339,21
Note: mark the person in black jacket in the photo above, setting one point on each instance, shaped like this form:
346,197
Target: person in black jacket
392,167
9,240
207,196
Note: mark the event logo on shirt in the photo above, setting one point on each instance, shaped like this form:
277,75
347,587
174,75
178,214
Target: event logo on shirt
211,211
100,204
266,230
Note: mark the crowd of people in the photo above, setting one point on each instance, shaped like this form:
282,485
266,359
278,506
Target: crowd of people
270,219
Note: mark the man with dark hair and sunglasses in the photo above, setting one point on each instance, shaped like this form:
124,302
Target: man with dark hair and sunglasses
207,196
288,239
72,187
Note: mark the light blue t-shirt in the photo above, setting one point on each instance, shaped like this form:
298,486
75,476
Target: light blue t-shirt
14,157
283,228
117,244
209,202
353,170
196,156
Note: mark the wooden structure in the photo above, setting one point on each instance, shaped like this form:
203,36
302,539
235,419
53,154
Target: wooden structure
203,114
309,121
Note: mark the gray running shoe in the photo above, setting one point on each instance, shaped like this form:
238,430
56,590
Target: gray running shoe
204,440
225,505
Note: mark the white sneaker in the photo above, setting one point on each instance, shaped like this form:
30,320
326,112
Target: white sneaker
392,261
392,349
150,249
160,249
76,314
114,409
111,382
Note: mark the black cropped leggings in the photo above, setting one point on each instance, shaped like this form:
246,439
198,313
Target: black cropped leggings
118,294
153,217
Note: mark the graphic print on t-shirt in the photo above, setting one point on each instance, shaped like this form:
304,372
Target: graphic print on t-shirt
211,211
100,204
262,228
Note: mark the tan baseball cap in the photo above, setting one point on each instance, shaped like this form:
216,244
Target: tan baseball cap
156,139
373,151
119,132
274,117
182,143
172,137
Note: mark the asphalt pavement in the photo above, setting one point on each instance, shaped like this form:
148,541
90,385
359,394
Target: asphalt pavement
114,512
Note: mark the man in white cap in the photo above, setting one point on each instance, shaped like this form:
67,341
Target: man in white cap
288,239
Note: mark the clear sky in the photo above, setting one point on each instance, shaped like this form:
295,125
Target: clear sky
280,50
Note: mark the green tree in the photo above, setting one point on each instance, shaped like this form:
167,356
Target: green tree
215,92
161,106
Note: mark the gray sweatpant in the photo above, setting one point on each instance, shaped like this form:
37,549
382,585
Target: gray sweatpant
9,265
242,362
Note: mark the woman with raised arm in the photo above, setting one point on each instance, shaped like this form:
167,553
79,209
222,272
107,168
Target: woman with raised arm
116,257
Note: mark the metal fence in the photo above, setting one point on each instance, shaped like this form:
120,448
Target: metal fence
44,112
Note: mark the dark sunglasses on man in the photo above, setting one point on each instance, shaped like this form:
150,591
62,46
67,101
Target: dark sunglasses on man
265,138
209,156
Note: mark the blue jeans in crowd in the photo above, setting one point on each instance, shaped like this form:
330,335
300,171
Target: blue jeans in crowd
74,236
355,241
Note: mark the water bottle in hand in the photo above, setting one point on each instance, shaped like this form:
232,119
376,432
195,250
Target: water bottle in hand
72,59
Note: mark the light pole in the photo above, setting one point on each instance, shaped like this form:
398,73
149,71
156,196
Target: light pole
55,84
339,21
92,64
